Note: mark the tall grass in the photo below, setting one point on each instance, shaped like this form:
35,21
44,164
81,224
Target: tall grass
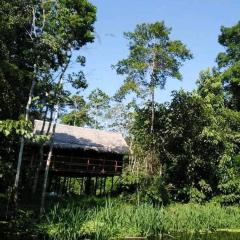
117,220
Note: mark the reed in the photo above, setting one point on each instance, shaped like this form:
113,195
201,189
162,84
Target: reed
118,219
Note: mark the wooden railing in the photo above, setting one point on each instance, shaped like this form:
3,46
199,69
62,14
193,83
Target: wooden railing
83,165
98,166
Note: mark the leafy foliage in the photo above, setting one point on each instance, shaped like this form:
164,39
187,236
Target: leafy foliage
79,114
98,106
197,139
37,38
152,59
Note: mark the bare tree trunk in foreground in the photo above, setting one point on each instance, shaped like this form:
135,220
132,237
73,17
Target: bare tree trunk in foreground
22,141
55,118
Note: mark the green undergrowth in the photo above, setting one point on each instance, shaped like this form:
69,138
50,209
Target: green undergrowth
117,219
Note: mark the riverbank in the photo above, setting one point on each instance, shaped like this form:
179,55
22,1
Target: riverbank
118,219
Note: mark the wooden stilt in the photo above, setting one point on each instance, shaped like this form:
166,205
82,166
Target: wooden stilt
32,159
104,185
50,183
55,184
101,186
58,184
64,186
96,185
69,184
111,190
88,186
82,186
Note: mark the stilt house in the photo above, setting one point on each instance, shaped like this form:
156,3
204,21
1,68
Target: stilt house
79,152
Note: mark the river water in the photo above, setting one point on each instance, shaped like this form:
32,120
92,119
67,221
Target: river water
184,236
197,236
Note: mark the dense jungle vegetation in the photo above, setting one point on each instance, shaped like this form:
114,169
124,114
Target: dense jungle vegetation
183,168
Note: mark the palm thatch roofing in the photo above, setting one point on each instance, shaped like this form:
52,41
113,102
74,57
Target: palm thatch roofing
69,137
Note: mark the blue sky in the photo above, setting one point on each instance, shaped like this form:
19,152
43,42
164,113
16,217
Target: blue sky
195,22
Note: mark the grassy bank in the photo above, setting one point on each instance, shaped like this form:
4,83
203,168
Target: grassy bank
117,219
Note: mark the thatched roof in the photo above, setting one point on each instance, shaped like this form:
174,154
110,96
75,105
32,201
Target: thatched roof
85,138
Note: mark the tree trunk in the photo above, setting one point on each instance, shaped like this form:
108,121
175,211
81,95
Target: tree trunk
35,184
22,141
152,109
48,161
152,89
75,113
50,121
44,120
30,96
56,111
38,170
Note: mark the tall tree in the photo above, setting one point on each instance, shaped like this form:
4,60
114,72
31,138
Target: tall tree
16,65
153,58
229,62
